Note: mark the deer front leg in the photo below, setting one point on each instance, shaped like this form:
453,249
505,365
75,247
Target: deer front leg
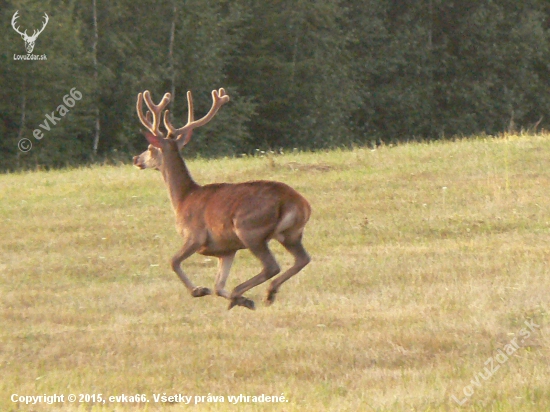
224,266
187,250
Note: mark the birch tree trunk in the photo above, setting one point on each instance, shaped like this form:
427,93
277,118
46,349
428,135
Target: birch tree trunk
171,54
23,115
96,82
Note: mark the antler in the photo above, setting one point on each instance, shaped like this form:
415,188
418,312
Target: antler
155,109
13,21
219,98
37,32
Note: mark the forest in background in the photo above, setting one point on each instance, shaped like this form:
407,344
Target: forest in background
301,74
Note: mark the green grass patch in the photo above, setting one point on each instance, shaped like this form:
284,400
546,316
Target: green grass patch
426,259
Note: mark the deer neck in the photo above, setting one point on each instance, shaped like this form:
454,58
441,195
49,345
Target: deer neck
177,178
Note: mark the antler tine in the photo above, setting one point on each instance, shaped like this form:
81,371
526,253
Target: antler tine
14,22
145,120
154,110
44,24
219,98
191,114
36,32
172,131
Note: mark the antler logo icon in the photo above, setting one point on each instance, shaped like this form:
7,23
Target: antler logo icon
29,40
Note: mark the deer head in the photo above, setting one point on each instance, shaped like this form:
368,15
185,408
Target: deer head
29,40
149,159
175,139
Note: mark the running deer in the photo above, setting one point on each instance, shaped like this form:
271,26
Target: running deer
221,218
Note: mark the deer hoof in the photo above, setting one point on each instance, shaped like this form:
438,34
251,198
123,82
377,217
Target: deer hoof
270,298
242,301
200,291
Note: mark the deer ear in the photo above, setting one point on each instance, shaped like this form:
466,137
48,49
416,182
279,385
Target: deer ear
184,139
152,139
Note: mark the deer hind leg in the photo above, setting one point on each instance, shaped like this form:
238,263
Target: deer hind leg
224,266
301,259
187,250
270,269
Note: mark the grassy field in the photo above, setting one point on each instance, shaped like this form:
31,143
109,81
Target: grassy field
427,260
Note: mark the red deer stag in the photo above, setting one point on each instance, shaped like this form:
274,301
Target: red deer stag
221,218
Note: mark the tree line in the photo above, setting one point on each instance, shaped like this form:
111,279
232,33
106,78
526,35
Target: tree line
301,74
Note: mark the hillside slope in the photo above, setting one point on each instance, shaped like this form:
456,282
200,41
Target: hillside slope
427,260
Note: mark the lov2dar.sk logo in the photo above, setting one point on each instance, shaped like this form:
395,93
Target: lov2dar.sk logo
29,40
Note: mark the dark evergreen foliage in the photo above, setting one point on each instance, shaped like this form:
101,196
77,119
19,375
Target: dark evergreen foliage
301,74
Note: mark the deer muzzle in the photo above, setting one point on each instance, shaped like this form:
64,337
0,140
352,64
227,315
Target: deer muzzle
138,163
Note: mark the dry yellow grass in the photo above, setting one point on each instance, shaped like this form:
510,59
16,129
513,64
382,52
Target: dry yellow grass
427,259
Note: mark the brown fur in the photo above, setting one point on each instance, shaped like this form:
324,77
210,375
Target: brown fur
220,219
